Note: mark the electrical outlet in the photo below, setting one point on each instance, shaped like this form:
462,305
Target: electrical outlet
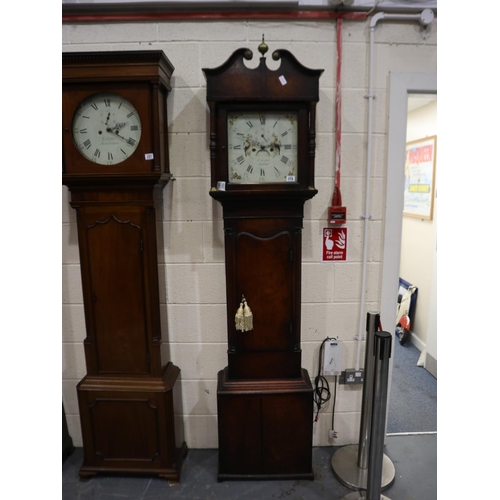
332,434
352,377
332,361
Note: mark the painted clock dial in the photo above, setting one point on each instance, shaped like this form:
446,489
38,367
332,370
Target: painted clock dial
262,147
106,128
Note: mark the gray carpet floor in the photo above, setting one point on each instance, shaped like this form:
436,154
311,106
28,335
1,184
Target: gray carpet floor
412,408
413,396
414,458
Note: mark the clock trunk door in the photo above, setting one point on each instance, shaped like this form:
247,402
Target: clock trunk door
118,313
265,276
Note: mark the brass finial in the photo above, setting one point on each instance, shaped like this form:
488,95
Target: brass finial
263,48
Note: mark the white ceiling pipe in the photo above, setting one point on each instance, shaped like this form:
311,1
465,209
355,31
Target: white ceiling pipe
424,18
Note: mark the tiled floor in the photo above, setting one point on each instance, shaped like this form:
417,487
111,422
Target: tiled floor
414,458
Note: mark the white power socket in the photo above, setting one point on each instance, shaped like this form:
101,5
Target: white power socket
332,361
332,434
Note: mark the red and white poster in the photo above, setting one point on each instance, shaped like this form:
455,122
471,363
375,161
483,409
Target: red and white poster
334,244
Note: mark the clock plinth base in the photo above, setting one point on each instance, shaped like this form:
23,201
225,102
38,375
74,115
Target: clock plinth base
265,428
128,425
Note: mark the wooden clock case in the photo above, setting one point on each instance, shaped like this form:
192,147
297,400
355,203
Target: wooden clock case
264,396
128,395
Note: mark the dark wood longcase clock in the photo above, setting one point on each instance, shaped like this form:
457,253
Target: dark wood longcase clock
115,164
262,146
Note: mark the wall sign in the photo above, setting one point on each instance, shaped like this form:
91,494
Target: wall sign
334,244
420,165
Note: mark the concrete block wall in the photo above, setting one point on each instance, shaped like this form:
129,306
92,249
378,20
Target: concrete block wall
192,286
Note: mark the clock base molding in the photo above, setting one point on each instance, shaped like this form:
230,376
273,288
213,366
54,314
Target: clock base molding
265,428
121,182
129,425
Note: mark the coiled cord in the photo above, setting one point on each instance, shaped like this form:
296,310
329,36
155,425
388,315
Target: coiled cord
321,393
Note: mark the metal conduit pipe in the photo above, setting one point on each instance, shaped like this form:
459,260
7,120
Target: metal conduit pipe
424,18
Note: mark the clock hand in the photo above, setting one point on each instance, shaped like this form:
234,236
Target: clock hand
117,126
115,132
262,150
107,119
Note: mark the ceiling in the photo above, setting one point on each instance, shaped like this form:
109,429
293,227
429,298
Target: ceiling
416,101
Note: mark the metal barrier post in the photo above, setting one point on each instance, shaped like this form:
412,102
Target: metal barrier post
372,325
350,463
381,355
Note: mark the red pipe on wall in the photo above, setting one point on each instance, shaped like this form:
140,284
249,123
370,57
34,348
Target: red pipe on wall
208,16
337,198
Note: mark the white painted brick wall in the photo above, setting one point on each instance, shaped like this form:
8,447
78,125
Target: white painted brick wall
297,31
188,154
187,199
192,277
202,31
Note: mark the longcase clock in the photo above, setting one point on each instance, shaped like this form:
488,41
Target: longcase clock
115,164
262,146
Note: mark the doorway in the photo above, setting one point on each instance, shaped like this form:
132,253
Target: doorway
406,91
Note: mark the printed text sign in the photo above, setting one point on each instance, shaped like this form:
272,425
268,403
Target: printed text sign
334,244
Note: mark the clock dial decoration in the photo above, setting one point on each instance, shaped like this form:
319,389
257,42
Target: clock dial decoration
106,128
262,147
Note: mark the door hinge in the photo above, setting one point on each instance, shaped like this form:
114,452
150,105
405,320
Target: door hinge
142,247
291,255
291,327
148,358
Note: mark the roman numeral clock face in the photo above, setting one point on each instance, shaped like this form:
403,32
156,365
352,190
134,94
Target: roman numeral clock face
262,147
106,128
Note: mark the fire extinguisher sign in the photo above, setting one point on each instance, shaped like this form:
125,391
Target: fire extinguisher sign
334,244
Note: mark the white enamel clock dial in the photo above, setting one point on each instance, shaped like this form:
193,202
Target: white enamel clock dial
262,147
106,128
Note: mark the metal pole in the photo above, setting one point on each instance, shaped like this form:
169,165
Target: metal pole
372,325
380,354
350,463
383,344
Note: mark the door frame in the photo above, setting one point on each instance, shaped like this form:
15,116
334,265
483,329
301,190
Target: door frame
400,85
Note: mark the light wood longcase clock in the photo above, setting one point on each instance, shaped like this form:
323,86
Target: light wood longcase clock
262,146
115,164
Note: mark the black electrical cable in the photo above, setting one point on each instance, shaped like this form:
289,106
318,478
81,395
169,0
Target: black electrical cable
334,399
321,388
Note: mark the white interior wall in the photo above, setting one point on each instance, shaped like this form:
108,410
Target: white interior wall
192,270
418,240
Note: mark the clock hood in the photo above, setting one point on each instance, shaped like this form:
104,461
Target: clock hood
234,81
